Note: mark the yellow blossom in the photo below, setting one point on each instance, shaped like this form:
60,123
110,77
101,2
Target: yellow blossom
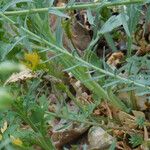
32,59
16,141
3,129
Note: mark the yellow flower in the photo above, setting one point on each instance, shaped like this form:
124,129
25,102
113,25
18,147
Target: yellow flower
32,59
1,137
16,141
3,129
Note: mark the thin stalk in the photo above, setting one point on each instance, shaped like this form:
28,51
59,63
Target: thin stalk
74,119
129,46
75,6
77,58
71,96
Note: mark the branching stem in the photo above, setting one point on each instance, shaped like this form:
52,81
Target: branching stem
78,58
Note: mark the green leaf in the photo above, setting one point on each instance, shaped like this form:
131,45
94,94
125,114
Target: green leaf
115,101
113,145
59,33
125,24
110,41
140,121
133,12
5,99
58,13
92,58
112,23
7,48
90,17
71,2
9,67
13,2
110,84
136,140
37,115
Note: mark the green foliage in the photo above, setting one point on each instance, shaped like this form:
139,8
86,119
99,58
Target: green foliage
112,23
30,32
136,140
5,99
113,145
140,121
9,67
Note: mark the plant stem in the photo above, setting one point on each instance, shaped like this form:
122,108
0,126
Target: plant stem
74,119
75,6
59,49
87,122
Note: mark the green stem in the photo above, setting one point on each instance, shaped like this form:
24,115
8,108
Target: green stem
87,122
75,6
73,119
55,47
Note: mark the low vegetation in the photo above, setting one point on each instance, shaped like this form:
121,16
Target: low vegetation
74,74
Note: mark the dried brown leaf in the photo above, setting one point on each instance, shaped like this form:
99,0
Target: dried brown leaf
21,76
115,59
127,119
